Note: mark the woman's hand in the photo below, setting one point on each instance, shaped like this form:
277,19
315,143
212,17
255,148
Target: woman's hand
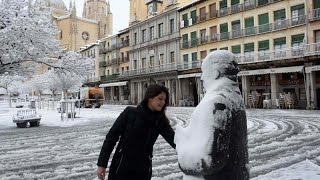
101,172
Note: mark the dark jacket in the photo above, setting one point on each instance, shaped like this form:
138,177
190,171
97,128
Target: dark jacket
230,151
138,129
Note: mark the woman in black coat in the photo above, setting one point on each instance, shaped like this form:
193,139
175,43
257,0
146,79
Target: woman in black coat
138,128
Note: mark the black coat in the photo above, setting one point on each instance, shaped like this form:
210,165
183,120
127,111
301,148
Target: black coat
138,129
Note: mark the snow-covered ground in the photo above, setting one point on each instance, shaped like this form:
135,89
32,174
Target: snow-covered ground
283,144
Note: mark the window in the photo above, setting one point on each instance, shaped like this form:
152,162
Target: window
143,63
316,4
249,47
213,10
160,30
214,49
185,20
297,40
317,35
202,13
122,69
135,64
151,62
223,8
193,15
236,29
249,26
262,2
279,47
263,48
193,36
185,60
161,59
144,36
279,19
203,54
135,38
224,35
263,20
171,26
297,14
194,59
152,33
224,48
172,60
213,33
203,36
236,49
185,41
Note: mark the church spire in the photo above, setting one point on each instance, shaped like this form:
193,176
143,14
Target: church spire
84,12
74,10
108,7
70,6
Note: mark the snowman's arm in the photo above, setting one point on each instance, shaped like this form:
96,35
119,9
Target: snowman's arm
220,150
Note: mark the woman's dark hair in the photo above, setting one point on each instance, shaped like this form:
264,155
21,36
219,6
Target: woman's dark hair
154,90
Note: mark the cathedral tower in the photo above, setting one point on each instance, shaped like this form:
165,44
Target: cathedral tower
99,10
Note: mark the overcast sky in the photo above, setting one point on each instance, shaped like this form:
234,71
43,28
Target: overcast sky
119,9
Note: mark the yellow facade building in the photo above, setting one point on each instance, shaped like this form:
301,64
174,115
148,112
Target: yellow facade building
74,31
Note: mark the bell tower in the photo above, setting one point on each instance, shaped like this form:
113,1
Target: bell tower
100,11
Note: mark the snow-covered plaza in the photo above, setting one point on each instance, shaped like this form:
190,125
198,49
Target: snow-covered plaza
283,144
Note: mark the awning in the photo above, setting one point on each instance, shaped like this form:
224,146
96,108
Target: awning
123,83
271,71
312,68
189,75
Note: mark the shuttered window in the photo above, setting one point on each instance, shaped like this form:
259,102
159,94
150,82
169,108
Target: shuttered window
279,41
193,38
297,39
249,47
263,19
316,4
263,45
224,28
193,15
279,15
223,4
185,19
194,56
249,22
233,2
184,40
236,49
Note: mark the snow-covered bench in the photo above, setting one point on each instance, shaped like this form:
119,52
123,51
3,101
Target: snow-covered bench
23,117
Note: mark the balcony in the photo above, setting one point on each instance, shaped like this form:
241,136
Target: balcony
224,11
264,28
280,24
280,54
249,5
298,20
237,33
102,64
236,8
192,65
124,59
109,77
150,70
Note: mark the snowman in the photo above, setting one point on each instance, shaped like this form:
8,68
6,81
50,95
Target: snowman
213,145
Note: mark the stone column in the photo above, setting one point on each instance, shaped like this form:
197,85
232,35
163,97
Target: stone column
111,93
313,99
139,92
245,89
274,89
178,91
308,84
170,92
131,92
121,96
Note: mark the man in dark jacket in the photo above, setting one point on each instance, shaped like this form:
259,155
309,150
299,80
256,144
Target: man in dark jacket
138,129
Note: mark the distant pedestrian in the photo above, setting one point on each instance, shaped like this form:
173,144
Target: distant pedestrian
138,128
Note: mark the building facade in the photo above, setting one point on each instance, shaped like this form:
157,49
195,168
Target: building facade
75,32
277,45
274,42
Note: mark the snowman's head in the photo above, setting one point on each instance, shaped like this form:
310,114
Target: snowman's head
219,64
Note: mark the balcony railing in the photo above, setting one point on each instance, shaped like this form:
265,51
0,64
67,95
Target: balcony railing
265,28
248,57
150,70
124,59
236,8
280,54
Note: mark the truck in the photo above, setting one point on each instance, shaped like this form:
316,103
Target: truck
90,97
